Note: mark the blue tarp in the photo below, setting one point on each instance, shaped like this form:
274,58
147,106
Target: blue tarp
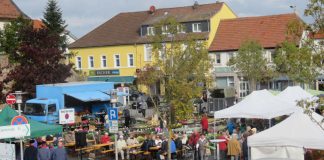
90,96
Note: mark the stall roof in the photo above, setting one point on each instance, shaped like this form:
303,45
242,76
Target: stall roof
259,104
298,130
90,96
38,129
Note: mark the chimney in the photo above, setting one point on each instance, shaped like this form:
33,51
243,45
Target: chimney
152,9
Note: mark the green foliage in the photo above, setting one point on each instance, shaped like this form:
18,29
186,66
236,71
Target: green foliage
54,22
251,63
10,40
180,61
315,9
296,62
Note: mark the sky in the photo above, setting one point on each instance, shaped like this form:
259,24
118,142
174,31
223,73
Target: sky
82,16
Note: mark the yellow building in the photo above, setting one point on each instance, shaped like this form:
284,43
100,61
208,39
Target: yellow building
115,50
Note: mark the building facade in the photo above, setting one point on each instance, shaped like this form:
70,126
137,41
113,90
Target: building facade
115,50
269,31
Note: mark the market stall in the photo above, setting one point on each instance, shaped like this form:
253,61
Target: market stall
288,139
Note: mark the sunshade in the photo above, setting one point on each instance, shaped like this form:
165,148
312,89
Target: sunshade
90,96
38,129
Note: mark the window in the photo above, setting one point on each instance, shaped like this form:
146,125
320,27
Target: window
117,60
272,56
91,63
164,29
150,31
130,60
218,58
79,63
51,108
147,52
103,61
181,29
196,27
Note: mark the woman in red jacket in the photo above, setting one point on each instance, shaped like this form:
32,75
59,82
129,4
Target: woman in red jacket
204,124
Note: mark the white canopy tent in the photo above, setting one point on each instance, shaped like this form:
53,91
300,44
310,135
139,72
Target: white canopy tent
294,94
287,139
259,104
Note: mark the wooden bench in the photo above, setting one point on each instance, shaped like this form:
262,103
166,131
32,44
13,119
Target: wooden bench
136,155
107,151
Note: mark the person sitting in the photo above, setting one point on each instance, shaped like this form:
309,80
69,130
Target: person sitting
158,141
69,137
131,140
121,146
164,149
145,144
105,138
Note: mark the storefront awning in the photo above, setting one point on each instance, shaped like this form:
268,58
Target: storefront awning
90,96
119,79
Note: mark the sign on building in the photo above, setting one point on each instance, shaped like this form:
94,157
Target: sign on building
14,131
8,151
66,116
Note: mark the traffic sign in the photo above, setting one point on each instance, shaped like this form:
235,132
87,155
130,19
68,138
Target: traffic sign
17,120
66,116
113,120
113,114
11,99
14,131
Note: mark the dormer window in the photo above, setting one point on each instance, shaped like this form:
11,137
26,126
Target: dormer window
164,29
196,27
150,31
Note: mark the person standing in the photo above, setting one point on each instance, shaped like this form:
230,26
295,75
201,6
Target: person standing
193,140
143,107
31,151
202,146
204,124
44,152
59,153
223,145
234,148
127,117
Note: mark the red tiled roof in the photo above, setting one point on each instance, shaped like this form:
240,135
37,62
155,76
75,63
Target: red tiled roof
124,28
9,10
269,31
319,36
38,24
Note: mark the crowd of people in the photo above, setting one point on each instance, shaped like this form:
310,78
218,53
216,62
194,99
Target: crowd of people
39,150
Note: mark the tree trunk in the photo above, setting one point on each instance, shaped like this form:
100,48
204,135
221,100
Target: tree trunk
169,142
252,84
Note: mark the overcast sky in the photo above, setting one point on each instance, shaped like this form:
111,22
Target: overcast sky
82,16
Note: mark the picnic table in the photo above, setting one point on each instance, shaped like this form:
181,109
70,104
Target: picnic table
72,144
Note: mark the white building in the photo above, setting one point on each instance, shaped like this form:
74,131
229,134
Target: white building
269,31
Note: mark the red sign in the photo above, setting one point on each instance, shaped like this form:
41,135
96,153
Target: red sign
17,120
11,99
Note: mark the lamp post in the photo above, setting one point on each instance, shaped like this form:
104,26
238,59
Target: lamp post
113,100
19,102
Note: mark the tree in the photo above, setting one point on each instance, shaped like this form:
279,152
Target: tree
315,9
296,62
10,40
38,60
251,63
181,61
54,22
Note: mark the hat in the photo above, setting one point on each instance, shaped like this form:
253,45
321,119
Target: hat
254,130
121,137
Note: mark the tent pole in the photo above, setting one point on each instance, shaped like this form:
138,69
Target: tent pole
249,153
